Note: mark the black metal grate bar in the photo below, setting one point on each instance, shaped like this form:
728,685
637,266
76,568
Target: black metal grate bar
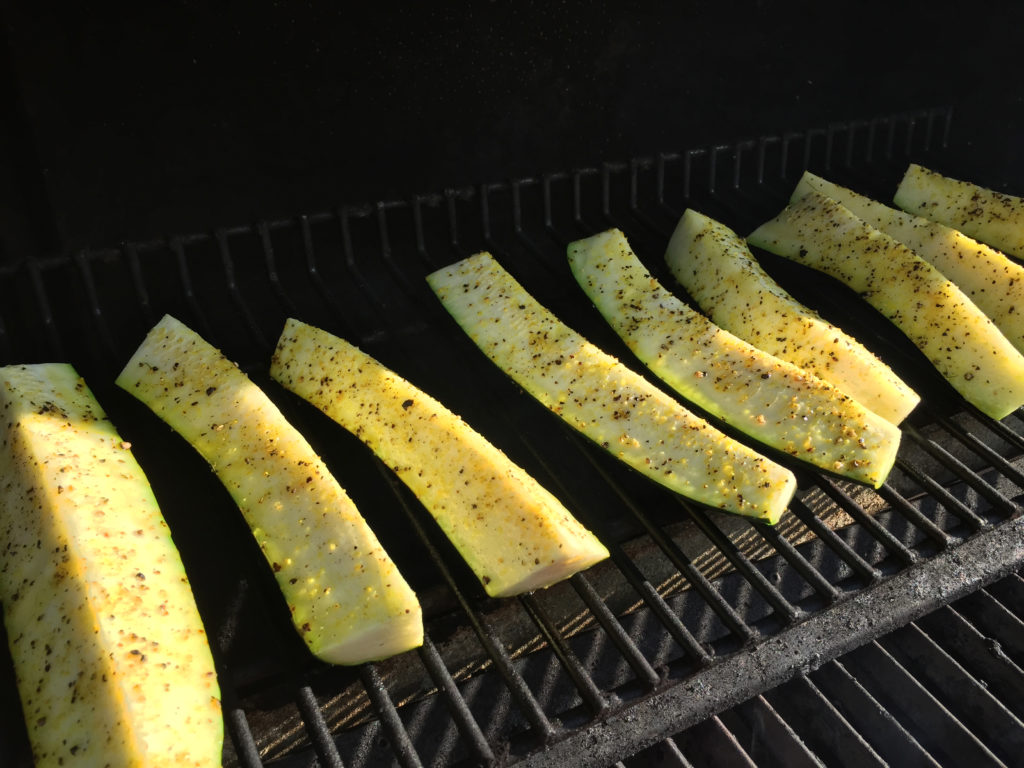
914,515
792,555
937,491
884,733
962,471
588,689
858,564
241,737
778,602
821,726
989,455
464,720
320,734
404,749
872,526
645,673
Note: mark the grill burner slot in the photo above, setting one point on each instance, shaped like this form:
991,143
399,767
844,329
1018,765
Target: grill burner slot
694,612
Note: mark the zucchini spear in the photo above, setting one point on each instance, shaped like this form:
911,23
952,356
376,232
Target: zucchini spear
606,401
112,663
960,341
993,282
986,215
512,532
347,599
719,272
768,399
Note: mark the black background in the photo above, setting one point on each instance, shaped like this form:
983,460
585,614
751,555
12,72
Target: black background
141,121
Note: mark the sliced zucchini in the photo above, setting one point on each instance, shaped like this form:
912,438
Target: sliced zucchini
347,599
766,398
993,282
514,534
719,272
992,217
960,341
112,663
609,403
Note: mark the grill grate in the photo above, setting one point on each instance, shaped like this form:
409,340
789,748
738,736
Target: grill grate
945,689
694,612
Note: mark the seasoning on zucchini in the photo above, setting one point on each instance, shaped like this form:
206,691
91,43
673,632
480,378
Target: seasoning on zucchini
766,398
609,403
960,341
347,599
112,663
992,217
514,534
719,272
993,282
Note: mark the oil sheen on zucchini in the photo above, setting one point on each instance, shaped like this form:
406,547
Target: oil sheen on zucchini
347,599
993,282
112,663
719,272
992,217
514,535
609,403
960,341
766,398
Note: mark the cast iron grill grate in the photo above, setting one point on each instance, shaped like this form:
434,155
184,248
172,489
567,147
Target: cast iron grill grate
946,689
694,612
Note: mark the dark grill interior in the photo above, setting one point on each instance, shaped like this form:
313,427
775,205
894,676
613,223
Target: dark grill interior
695,613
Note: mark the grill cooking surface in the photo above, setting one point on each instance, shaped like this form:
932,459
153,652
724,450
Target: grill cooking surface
945,689
695,611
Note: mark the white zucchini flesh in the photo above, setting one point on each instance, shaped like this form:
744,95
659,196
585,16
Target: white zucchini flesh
766,398
993,282
513,533
112,663
603,399
960,341
717,269
346,596
992,217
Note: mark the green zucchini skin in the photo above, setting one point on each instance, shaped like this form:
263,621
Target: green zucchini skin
603,399
960,341
111,659
766,398
512,532
992,281
347,599
992,217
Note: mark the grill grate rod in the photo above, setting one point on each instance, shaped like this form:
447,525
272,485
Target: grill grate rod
786,610
645,673
784,547
964,472
492,645
869,523
980,448
585,685
678,558
882,731
457,705
967,698
897,689
402,745
937,491
316,726
831,539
